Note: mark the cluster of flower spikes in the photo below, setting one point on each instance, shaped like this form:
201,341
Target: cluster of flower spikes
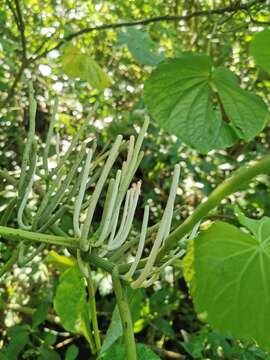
68,190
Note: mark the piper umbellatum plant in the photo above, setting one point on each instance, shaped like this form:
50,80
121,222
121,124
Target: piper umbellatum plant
66,187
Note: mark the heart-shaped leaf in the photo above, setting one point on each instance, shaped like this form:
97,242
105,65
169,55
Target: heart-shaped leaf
231,282
205,108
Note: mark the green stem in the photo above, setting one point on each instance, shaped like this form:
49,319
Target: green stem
125,316
91,341
238,179
20,235
93,311
8,265
229,186
23,235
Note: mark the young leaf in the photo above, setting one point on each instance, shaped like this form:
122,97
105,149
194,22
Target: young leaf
70,302
71,353
260,50
141,46
115,330
19,337
40,314
231,283
79,65
206,109
61,262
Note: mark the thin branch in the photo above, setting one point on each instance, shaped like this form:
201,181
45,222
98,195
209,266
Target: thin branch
21,28
167,18
25,62
13,13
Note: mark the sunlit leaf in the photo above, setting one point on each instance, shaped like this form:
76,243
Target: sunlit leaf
260,49
61,262
205,108
246,111
79,65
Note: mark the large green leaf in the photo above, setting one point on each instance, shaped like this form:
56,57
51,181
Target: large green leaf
231,282
79,65
260,49
117,352
246,111
259,228
70,302
206,109
141,46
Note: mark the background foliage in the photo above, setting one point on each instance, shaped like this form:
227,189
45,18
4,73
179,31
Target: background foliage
92,52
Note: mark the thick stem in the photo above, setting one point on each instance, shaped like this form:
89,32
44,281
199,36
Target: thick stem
93,311
125,316
238,179
23,235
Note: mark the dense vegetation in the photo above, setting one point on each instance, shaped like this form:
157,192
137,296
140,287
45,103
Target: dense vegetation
158,236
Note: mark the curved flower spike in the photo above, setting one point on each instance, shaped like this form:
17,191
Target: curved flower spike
28,190
126,163
194,231
52,203
133,160
84,244
111,206
122,235
155,274
49,136
79,199
124,215
30,138
139,252
161,231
